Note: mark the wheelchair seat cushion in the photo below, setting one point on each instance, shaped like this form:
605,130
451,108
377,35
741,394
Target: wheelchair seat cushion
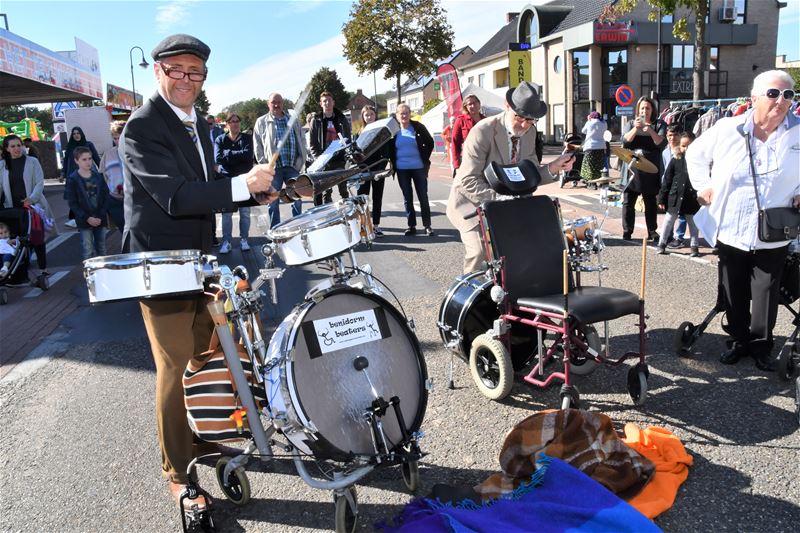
587,304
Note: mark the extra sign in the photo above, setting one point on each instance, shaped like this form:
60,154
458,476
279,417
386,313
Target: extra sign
624,95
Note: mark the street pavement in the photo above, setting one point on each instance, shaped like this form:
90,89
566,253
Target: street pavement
78,448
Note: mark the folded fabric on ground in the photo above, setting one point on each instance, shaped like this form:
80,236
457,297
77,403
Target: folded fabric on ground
558,498
672,462
584,439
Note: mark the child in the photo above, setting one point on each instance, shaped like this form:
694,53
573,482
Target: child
8,247
87,195
678,197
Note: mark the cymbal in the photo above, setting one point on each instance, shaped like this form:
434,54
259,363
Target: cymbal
605,181
634,159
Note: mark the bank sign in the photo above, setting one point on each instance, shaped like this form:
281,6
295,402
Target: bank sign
614,32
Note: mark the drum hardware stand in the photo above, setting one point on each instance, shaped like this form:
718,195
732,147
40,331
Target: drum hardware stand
269,274
195,519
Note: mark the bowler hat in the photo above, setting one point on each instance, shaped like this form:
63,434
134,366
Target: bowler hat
178,44
524,101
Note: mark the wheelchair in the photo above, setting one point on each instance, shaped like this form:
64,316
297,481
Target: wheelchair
530,304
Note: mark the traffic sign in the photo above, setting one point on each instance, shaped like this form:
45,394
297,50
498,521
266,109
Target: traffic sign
626,110
624,95
59,107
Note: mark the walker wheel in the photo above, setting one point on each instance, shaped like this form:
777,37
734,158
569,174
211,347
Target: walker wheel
637,383
570,399
3,297
581,363
684,338
237,486
410,472
346,511
787,361
491,367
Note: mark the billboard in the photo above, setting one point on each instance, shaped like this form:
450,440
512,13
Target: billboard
121,98
76,70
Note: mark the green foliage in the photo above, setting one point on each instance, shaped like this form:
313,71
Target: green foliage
795,74
403,37
430,104
248,111
202,104
325,79
15,113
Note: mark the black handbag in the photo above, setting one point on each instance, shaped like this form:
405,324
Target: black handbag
776,224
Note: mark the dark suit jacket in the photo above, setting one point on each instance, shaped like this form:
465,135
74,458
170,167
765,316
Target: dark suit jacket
169,203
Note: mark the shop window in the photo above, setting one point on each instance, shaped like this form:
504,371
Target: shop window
501,77
580,76
615,73
481,78
529,27
713,58
557,64
682,56
741,11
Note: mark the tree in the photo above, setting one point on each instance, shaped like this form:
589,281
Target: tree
325,79
15,113
403,37
795,74
202,104
679,29
248,111
429,104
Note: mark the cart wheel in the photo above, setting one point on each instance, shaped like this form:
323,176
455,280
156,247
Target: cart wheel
579,363
410,472
787,364
237,489
346,512
570,399
42,282
491,367
637,383
684,338
3,297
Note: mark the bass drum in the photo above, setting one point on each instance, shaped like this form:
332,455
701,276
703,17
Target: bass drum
316,396
468,311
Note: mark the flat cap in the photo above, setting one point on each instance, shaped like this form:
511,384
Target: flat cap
178,44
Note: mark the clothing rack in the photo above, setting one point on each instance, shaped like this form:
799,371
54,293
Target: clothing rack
711,100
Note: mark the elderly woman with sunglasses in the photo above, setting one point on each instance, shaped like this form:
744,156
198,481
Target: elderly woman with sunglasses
755,153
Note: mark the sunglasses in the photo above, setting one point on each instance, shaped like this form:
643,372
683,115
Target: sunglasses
773,93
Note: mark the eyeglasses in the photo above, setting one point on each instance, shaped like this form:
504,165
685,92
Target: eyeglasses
175,74
525,119
773,93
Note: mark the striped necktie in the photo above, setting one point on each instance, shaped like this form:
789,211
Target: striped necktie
514,143
189,126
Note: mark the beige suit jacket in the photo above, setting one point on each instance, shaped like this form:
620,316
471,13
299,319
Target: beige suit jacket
486,142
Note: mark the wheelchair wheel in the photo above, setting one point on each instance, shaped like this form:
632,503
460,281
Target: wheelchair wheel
637,383
490,366
237,486
787,361
346,512
581,364
570,399
410,471
684,338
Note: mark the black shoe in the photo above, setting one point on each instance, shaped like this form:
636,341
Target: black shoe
662,249
676,243
732,355
695,252
429,231
653,236
626,236
214,242
410,231
765,363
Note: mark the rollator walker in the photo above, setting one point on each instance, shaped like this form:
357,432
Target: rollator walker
530,305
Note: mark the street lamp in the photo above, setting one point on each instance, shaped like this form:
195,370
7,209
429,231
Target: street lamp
143,64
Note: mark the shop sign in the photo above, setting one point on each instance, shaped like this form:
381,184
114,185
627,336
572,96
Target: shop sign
614,32
121,98
519,67
626,110
681,82
59,107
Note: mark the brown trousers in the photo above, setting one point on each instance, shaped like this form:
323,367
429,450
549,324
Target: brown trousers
474,252
177,330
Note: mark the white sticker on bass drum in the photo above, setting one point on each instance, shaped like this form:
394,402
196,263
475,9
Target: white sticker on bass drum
343,331
513,174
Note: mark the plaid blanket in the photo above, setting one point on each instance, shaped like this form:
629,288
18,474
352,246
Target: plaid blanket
585,440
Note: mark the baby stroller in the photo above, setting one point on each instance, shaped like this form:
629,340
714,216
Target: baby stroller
789,358
530,303
19,221
572,143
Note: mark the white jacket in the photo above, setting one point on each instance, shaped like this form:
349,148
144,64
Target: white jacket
33,176
594,130
718,160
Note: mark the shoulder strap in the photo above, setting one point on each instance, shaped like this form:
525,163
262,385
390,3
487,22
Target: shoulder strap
752,168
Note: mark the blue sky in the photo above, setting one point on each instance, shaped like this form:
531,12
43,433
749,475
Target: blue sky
257,46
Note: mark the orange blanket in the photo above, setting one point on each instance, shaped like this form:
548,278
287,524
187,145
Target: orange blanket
672,462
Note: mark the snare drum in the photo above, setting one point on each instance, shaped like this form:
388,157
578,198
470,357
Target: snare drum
317,398
143,275
585,228
319,233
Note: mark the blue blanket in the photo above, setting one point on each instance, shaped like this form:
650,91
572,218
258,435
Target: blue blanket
559,499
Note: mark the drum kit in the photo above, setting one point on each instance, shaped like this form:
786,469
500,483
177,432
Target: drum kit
344,374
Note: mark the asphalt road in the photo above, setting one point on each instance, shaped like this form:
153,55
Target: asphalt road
78,447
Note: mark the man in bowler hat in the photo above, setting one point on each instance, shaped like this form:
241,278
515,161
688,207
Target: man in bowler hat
171,194
506,138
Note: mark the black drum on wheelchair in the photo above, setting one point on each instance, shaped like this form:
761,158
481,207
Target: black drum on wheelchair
529,306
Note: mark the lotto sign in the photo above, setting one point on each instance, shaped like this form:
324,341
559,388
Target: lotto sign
624,95
343,331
